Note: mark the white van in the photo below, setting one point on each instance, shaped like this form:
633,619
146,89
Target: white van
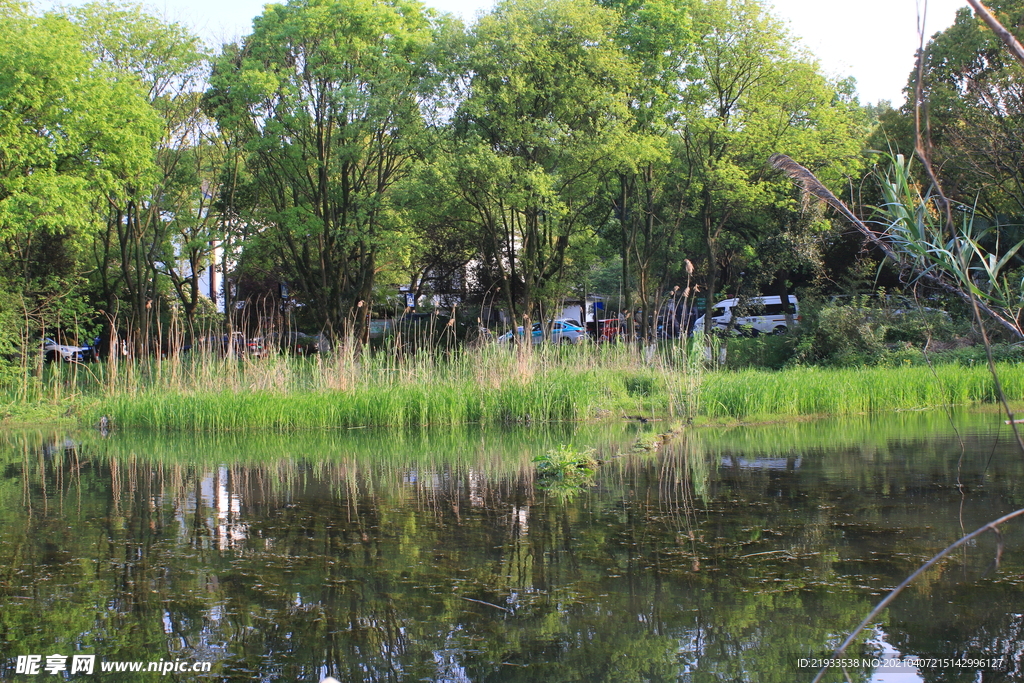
761,315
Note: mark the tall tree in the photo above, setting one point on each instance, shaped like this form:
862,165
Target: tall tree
156,221
972,107
657,37
545,120
329,96
71,132
753,94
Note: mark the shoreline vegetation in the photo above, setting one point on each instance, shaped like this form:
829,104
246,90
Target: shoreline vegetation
488,386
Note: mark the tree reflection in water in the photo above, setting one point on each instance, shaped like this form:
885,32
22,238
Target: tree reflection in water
726,556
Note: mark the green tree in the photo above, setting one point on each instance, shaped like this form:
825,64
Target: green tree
657,38
545,119
972,108
329,98
164,216
753,94
71,132
442,241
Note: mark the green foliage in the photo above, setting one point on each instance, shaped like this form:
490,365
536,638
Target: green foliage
566,471
843,336
640,385
494,386
971,84
349,146
544,121
756,95
771,351
361,145
852,391
72,131
865,331
1003,353
97,127
328,97
566,463
952,247
431,386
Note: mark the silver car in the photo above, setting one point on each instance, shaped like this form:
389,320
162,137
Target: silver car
69,354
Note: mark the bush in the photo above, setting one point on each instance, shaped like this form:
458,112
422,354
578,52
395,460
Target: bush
975,355
862,332
765,351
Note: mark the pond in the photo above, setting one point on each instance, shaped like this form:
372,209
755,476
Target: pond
723,555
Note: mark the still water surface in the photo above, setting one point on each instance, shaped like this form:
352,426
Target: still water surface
727,555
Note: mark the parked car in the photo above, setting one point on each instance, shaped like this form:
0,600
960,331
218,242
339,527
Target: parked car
561,332
240,346
52,351
759,315
308,344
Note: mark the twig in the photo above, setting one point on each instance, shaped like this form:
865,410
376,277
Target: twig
991,526
922,143
766,552
489,604
995,375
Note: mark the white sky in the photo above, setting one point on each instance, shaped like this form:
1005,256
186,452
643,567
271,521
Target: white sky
872,40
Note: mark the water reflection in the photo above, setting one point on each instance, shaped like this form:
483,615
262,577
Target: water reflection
392,557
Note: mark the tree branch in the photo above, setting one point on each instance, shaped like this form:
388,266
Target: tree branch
1011,43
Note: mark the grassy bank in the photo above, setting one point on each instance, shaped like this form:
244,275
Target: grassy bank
490,385
487,386
850,391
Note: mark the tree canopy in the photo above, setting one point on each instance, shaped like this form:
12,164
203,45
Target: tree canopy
345,148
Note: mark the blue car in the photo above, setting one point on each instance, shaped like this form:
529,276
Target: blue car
561,332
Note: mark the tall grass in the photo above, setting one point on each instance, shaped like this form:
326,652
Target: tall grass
344,390
850,391
489,385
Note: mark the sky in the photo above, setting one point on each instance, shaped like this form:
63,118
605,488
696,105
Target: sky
872,40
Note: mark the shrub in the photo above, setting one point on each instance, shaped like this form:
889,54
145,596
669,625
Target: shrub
773,352
866,332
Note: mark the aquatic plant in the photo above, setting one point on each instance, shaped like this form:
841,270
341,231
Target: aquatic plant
566,464
489,386
486,385
566,471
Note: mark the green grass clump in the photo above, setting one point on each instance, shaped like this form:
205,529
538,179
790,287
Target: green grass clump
405,405
849,391
567,464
